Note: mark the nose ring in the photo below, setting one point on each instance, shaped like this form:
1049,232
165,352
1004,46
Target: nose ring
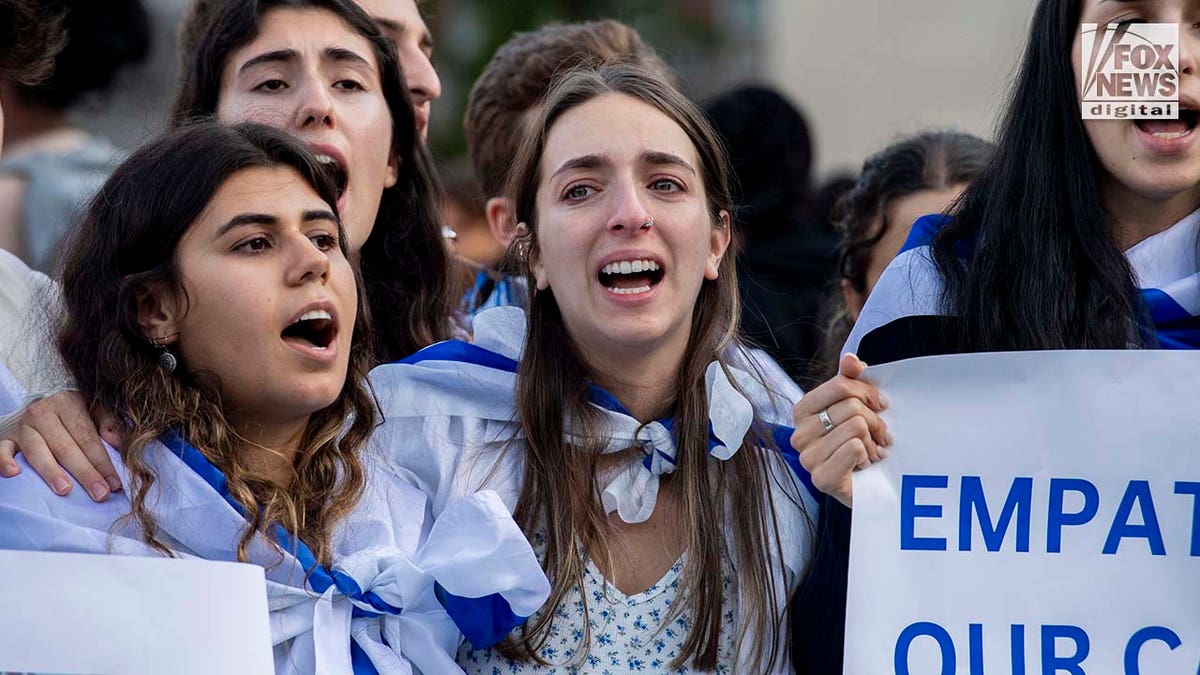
648,224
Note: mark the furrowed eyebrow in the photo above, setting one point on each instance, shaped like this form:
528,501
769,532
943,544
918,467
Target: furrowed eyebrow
655,157
582,162
345,55
247,219
319,215
277,56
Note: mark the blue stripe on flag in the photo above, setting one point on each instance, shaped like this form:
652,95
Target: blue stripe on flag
483,621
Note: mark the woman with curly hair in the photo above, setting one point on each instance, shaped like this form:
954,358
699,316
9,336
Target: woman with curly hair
210,301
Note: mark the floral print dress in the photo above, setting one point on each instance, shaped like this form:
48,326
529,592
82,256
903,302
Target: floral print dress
628,634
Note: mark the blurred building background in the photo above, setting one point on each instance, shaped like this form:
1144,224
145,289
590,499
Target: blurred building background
863,72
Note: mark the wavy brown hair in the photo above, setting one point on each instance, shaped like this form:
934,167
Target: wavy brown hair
126,243
560,492
405,262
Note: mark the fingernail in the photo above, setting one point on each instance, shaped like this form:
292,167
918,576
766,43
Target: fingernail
9,470
863,464
62,486
883,451
884,401
98,491
114,483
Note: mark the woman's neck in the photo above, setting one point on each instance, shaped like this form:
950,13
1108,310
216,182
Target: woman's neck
271,448
1137,217
643,380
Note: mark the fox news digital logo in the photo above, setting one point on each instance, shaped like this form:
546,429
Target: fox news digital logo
1130,71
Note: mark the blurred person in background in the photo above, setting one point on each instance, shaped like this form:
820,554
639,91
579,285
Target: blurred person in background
479,253
29,41
921,174
507,95
788,250
399,20
52,168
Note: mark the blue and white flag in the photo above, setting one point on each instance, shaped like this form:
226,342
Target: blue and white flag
400,594
478,380
904,315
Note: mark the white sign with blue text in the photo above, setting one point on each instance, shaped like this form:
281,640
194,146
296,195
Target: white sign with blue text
1039,514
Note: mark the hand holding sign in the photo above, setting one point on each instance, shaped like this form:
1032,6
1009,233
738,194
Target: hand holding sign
838,429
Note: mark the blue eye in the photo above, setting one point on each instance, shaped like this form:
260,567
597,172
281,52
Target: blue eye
666,185
578,192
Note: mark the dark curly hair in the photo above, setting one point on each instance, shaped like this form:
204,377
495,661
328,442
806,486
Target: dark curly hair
128,241
102,38
29,39
933,160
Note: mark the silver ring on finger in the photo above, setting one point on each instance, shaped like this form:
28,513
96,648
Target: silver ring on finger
826,422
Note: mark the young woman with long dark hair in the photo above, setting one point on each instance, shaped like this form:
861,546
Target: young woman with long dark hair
210,301
321,70
1080,234
621,419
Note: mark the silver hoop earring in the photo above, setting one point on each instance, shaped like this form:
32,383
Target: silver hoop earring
648,224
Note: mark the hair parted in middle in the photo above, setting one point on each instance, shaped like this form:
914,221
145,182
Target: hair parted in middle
559,493
405,262
933,160
127,243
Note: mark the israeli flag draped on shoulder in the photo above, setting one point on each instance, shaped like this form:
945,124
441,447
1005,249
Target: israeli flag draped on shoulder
477,382
395,600
905,316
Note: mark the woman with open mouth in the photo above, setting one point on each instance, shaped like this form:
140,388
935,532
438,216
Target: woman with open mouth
642,453
321,70
210,300
1080,234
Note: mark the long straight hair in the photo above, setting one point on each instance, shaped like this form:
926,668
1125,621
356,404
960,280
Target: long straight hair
1046,271
405,263
126,243
560,491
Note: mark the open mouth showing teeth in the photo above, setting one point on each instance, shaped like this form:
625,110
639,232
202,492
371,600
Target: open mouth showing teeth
338,172
626,277
315,328
1171,129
